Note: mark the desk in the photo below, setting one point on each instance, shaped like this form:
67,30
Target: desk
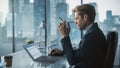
22,60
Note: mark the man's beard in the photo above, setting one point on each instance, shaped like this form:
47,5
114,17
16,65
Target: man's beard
82,26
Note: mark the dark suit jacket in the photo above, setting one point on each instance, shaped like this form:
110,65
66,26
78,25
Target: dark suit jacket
91,52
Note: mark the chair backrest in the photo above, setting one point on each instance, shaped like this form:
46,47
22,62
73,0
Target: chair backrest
112,42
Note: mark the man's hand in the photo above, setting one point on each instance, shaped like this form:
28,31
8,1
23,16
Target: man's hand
56,52
64,28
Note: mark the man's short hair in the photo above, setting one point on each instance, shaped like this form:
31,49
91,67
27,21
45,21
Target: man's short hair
86,9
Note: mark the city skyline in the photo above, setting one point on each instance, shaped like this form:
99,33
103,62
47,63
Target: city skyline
37,15
72,3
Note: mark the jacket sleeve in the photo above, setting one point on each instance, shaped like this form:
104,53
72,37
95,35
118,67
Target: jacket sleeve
72,55
87,50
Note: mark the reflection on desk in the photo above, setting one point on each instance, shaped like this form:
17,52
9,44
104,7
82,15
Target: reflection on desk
22,60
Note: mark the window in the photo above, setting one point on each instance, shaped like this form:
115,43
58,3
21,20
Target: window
26,21
28,17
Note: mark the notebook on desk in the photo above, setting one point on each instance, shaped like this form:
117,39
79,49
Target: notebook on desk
37,56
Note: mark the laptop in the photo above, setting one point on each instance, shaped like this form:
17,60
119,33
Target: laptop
37,56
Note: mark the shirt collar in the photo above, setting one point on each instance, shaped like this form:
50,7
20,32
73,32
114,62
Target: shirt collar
88,28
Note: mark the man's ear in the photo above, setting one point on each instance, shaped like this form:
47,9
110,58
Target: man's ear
85,17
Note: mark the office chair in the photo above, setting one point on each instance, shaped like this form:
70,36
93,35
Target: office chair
112,41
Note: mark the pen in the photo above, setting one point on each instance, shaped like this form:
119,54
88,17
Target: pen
66,24
61,19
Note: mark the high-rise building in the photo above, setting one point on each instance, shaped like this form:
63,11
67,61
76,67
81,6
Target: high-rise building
53,21
62,10
109,15
0,32
109,21
53,15
116,19
19,12
4,33
1,17
26,1
17,23
39,15
109,18
61,1
27,21
16,6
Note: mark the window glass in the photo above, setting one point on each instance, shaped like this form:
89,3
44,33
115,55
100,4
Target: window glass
5,42
28,19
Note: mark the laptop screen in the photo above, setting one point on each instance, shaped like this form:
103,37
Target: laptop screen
33,51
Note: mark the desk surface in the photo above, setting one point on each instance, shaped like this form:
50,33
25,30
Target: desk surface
22,60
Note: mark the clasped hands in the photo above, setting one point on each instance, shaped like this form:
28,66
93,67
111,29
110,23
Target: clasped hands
64,28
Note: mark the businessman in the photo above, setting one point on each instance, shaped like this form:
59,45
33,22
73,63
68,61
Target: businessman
92,48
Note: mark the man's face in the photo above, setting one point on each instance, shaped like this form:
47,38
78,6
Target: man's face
79,21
